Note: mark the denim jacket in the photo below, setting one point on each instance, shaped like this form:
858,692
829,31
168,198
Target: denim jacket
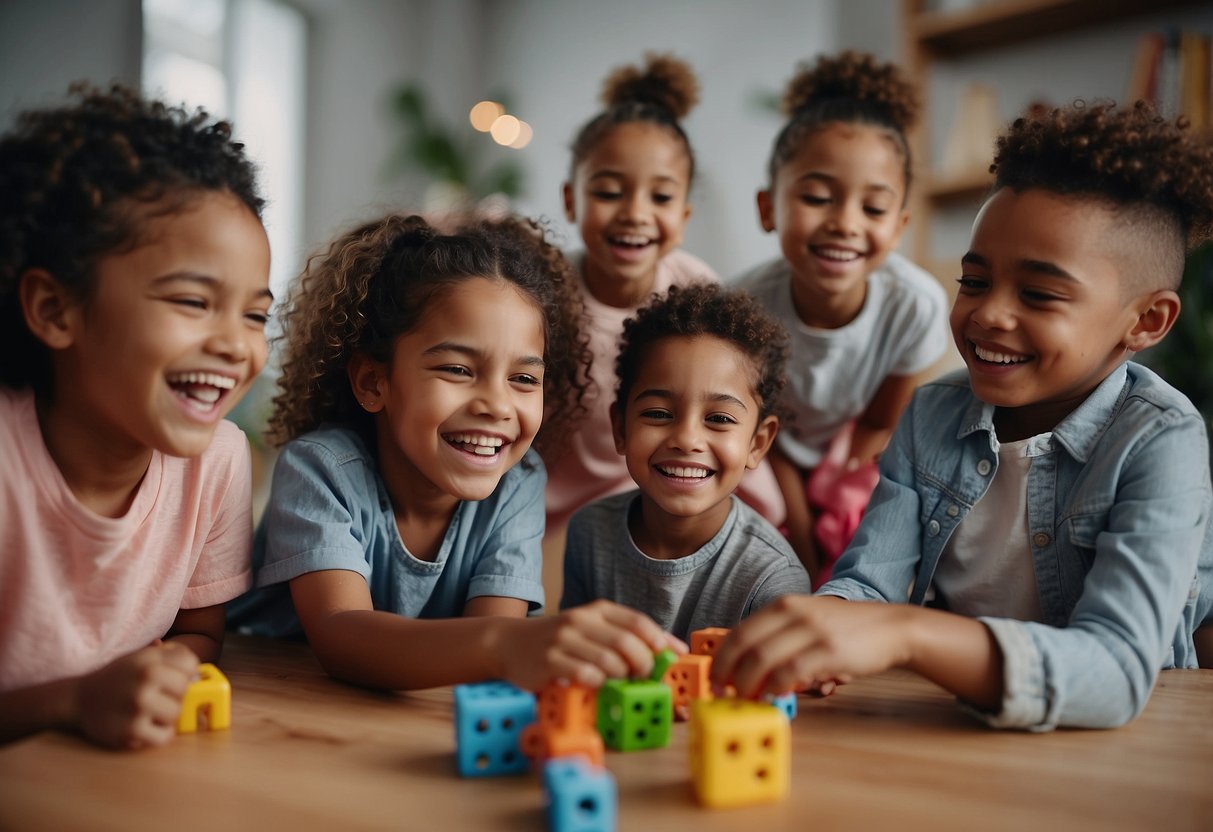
1119,500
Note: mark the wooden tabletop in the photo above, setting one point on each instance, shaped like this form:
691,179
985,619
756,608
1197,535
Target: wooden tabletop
891,752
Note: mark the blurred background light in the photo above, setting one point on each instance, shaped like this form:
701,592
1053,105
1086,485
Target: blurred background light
505,129
484,114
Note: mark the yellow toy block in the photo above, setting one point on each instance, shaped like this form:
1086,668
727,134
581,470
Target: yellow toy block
212,694
704,642
741,752
688,680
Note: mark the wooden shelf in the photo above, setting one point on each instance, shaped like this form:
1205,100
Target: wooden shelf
1006,22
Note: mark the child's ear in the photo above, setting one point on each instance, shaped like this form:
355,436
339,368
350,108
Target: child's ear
617,429
766,210
50,309
367,381
1156,314
764,437
570,204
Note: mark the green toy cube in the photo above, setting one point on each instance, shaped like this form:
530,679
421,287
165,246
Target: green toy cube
634,715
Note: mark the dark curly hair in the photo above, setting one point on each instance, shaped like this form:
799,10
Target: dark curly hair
78,182
708,309
1130,158
851,88
661,93
374,284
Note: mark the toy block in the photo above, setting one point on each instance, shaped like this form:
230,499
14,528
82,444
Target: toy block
787,704
704,642
568,706
688,680
740,752
541,743
211,695
634,715
662,662
489,719
579,797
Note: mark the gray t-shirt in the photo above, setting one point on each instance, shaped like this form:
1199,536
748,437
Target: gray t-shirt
745,566
833,374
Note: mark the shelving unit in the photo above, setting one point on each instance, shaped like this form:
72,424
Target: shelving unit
936,36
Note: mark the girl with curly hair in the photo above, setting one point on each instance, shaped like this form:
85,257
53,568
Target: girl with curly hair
700,372
1051,501
403,530
134,292
628,192
865,323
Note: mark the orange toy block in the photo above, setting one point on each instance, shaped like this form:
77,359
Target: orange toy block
688,680
704,642
542,743
568,707
211,694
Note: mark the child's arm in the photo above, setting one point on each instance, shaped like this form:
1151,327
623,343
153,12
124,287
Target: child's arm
801,641
383,650
1203,641
133,702
799,516
201,630
875,425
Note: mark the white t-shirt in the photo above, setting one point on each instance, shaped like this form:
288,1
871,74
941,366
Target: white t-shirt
833,374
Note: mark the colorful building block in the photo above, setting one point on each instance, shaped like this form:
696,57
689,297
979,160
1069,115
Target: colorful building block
210,695
688,680
740,752
542,744
634,715
489,720
787,704
704,642
567,706
579,797
566,725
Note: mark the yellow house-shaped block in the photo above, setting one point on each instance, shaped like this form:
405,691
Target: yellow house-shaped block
210,694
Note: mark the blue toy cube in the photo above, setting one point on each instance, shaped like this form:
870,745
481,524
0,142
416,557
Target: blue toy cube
787,704
488,720
580,797
634,715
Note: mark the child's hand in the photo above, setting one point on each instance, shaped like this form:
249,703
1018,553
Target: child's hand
134,701
801,642
587,645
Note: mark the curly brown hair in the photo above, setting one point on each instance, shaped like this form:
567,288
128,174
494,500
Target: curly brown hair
374,284
661,92
708,309
1131,158
851,88
80,180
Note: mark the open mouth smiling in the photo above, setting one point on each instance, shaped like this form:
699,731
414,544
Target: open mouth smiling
629,240
838,255
688,473
201,391
996,357
477,444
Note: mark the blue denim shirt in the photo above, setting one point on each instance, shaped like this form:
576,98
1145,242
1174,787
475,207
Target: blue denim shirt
1119,500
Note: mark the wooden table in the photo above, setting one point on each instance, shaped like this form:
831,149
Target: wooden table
891,752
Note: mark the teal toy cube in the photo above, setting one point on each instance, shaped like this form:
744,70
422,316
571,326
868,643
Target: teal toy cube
787,704
489,717
580,797
633,715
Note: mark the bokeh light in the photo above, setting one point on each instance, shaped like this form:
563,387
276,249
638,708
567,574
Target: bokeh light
484,114
524,136
505,129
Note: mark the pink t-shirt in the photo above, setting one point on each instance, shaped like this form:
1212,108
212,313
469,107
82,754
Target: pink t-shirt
78,590
591,468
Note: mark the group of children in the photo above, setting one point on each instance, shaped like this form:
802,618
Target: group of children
1039,527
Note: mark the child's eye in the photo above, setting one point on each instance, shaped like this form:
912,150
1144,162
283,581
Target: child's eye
258,317
1037,296
526,379
969,284
813,199
656,414
606,195
662,199
873,211
455,370
192,303
721,419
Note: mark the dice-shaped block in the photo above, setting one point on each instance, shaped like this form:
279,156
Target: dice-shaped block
541,743
688,680
787,704
489,719
633,715
704,642
568,707
580,797
740,752
210,694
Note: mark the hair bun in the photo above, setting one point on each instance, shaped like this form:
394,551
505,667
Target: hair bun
664,81
856,76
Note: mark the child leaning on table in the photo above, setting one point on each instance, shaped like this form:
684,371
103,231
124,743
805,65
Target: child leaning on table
134,292
700,371
1053,501
403,529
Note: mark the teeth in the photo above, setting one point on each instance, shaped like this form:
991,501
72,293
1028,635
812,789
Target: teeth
630,240
480,444
998,357
839,254
210,379
684,473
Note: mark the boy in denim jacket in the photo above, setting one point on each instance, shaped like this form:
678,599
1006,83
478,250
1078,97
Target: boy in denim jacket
1051,504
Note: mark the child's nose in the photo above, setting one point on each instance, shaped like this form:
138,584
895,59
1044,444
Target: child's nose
687,435
230,339
994,311
635,205
492,399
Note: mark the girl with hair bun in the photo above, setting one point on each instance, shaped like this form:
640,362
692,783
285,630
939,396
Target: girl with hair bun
865,322
628,193
402,535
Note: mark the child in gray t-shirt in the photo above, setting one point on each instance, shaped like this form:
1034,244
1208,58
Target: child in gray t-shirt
700,372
